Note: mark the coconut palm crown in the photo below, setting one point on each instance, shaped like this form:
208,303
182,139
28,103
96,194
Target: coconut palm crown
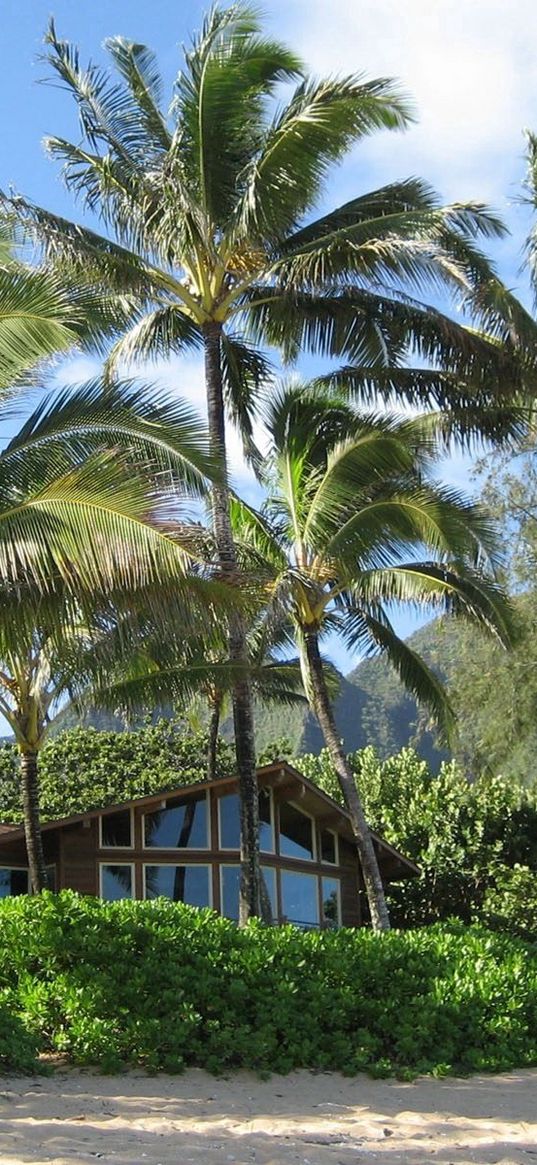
354,526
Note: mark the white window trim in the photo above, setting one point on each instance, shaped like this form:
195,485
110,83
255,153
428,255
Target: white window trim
132,868
301,874
325,877
304,812
324,861
233,849
115,848
171,865
174,849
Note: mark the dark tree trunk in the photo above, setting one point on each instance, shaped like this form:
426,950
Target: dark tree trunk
32,823
243,715
322,707
215,705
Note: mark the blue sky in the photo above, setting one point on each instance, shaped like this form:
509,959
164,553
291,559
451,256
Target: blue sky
470,68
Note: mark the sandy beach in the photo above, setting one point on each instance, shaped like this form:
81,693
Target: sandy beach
303,1119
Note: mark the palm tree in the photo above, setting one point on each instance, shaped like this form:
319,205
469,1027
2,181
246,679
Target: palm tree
86,536
352,509
213,242
37,318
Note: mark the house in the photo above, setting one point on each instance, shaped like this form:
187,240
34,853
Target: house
185,845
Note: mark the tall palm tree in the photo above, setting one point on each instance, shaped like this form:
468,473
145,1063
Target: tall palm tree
354,525
213,242
88,531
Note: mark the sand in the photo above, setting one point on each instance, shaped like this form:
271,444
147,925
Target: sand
303,1119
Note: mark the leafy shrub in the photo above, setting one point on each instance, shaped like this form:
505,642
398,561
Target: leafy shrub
511,904
84,768
465,836
163,985
18,1046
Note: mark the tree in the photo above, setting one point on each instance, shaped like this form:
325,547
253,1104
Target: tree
213,245
351,508
86,539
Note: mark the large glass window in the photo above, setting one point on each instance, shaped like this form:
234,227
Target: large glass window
189,884
117,882
229,888
328,846
300,898
228,808
331,904
178,826
13,882
116,829
296,832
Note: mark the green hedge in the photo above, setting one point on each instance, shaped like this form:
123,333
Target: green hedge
163,985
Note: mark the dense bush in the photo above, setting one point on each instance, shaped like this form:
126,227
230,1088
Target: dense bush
164,985
83,768
465,836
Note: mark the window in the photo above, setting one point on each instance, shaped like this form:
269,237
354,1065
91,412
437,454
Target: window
229,889
331,902
189,884
116,829
13,882
179,826
229,821
296,832
117,882
328,841
300,898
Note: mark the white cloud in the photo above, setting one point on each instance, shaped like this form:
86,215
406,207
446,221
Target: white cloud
469,65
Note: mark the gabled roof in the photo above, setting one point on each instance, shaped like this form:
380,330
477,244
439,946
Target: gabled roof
278,774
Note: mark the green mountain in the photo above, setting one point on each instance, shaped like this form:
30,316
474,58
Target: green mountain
372,707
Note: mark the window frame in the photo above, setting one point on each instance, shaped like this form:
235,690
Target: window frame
114,848
335,835
233,849
128,897
19,869
172,865
294,857
174,849
236,866
301,923
330,877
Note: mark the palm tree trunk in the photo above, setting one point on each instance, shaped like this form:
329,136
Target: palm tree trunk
243,707
32,823
322,708
215,705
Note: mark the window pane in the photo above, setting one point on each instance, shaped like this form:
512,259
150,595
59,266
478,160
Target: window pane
180,883
13,882
230,821
328,846
230,881
296,833
300,901
116,828
51,875
331,916
116,882
182,826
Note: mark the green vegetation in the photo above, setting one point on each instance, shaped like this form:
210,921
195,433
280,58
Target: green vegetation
85,769
475,842
164,986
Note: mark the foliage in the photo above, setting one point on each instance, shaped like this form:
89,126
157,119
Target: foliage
84,769
201,992
18,1043
465,837
511,904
